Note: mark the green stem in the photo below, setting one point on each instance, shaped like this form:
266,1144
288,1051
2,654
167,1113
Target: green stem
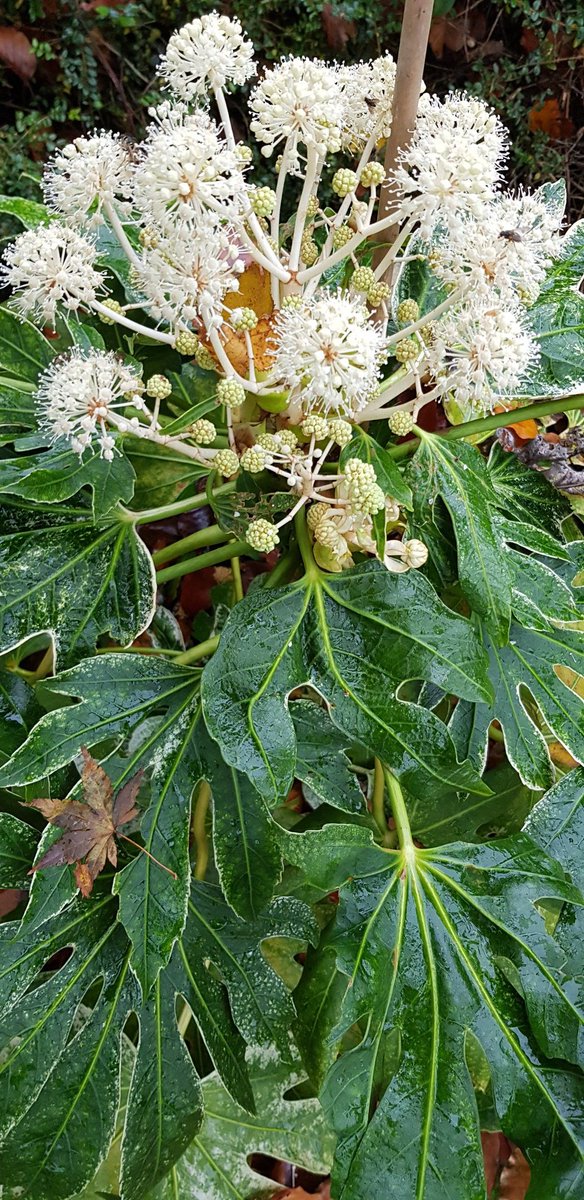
378,797
304,544
237,581
203,650
210,559
210,536
496,421
179,506
400,812
283,567
200,830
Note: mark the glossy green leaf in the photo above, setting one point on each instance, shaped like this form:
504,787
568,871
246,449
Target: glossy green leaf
427,940
165,1102
24,352
526,495
459,475
63,576
216,1166
530,665
247,855
152,709
29,212
60,1035
59,474
321,762
418,282
355,637
162,473
17,849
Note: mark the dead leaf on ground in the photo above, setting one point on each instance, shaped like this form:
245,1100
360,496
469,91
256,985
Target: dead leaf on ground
16,52
549,118
89,826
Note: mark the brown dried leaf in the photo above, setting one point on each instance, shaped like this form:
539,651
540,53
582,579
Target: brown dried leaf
89,826
338,29
16,52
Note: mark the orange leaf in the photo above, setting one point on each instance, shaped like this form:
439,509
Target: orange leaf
254,291
524,429
16,53
548,118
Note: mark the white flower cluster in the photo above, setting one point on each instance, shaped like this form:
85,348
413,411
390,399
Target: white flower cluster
80,398
329,352
216,272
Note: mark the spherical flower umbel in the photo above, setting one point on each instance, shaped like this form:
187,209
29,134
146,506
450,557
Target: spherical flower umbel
186,276
48,268
480,353
262,535
186,171
209,52
453,163
87,174
80,398
300,99
329,351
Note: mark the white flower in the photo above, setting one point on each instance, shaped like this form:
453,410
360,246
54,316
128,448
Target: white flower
300,99
90,172
185,277
49,267
453,163
79,398
186,169
368,91
508,251
480,353
210,51
330,350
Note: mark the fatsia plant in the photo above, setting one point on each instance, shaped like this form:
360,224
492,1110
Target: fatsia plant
270,556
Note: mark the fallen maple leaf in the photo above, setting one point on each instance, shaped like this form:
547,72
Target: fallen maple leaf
16,52
91,826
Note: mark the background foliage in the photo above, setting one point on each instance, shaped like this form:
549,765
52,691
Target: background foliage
67,65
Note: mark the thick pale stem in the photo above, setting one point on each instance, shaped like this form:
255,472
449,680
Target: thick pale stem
203,650
143,330
120,233
210,559
174,510
211,536
400,813
199,828
312,170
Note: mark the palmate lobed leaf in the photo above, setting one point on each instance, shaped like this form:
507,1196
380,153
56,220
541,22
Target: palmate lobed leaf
64,576
356,638
60,1033
427,943
216,1166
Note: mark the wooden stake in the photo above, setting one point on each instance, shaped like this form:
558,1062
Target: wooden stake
408,85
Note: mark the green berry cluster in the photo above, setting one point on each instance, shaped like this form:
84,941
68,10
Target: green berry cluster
400,423
148,238
262,201
344,181
204,359
341,236
407,350
202,432
186,342
263,536
158,387
244,319
231,393
372,174
308,250
364,492
256,459
226,462
408,312
115,307
362,279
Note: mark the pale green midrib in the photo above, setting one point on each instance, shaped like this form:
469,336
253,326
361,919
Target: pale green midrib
478,984
65,569
476,541
215,1167
58,1000
55,937
433,1074
87,1075
470,899
426,766
269,676
244,839
418,641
